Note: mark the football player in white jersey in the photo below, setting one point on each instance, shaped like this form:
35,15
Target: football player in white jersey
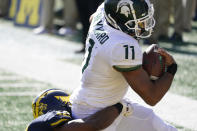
113,64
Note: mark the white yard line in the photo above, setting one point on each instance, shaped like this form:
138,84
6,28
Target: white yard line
23,85
19,93
11,78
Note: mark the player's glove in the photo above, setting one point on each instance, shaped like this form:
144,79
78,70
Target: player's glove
49,121
127,107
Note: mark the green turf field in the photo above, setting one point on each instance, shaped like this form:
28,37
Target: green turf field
17,92
186,57
16,95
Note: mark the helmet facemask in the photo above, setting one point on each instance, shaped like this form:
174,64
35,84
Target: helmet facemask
143,27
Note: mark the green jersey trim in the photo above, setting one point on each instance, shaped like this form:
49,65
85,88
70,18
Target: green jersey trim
127,69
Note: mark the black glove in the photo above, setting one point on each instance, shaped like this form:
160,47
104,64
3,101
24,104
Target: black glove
172,69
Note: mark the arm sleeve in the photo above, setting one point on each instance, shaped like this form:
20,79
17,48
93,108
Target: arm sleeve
126,57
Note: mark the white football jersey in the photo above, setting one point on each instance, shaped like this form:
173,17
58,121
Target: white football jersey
108,51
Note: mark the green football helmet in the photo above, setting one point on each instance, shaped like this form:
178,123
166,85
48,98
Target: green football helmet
133,17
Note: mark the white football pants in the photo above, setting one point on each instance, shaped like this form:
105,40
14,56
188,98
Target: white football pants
142,119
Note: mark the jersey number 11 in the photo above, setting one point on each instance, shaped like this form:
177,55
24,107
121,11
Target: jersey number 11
127,51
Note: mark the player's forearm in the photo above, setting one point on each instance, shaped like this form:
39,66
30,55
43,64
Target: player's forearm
98,121
103,118
161,86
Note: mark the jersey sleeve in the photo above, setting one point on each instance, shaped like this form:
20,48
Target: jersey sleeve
126,57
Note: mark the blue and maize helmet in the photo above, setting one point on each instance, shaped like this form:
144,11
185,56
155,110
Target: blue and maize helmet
50,100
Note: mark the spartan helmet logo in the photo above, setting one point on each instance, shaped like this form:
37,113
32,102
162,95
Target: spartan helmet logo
125,7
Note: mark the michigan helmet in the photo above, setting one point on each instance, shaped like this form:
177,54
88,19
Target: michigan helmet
134,17
49,100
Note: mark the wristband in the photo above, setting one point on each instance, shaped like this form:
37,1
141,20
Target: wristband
119,107
172,69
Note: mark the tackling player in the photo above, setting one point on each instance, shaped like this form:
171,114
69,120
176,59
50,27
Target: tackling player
113,62
51,110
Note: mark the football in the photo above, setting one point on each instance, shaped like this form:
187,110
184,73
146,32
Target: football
153,63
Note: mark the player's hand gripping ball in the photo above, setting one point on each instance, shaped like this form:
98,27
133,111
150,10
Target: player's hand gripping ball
153,63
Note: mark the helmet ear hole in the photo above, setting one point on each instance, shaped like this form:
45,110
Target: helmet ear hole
130,16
